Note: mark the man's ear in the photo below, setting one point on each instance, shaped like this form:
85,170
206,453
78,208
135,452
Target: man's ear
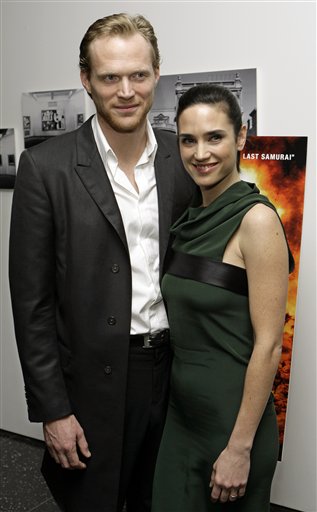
157,75
85,81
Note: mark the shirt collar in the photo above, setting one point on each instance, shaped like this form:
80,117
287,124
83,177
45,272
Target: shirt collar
108,154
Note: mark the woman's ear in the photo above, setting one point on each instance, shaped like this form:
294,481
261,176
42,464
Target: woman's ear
242,136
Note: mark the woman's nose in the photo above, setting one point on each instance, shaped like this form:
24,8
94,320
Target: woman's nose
201,152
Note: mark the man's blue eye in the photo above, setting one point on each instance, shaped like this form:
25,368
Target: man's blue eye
110,78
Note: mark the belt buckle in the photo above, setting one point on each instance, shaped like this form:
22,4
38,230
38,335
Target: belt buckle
147,341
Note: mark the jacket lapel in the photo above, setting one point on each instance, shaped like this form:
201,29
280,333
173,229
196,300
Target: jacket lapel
164,173
91,171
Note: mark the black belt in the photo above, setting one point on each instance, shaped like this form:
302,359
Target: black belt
150,340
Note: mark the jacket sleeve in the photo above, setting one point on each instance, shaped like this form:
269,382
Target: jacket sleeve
33,294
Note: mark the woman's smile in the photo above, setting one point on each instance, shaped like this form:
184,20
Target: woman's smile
205,169
208,147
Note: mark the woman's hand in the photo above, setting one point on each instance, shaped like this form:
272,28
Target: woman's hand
230,475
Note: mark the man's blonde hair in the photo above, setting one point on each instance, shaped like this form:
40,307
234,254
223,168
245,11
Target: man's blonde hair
121,24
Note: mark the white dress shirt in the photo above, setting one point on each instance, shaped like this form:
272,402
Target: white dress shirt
139,212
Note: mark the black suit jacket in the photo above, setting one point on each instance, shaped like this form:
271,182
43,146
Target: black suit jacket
70,280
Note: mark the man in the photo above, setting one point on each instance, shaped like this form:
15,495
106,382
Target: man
91,216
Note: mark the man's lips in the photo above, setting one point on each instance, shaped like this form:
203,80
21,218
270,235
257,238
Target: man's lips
126,108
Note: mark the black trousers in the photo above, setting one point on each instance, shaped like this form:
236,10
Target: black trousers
146,405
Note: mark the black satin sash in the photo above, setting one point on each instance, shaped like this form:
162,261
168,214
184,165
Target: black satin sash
205,270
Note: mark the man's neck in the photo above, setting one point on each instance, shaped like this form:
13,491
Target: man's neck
128,147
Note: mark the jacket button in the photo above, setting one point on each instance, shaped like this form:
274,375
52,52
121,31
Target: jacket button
111,320
108,370
115,268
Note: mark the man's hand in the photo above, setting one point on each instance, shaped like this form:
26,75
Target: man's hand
63,438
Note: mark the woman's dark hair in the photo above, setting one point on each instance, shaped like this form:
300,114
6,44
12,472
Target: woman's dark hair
211,94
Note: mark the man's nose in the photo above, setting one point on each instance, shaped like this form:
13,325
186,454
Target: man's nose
125,88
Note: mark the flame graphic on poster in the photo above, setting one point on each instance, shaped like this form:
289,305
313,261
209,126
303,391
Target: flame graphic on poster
277,165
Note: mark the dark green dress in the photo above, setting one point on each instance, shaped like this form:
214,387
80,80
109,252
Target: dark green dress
212,341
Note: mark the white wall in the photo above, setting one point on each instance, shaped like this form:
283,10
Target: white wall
40,52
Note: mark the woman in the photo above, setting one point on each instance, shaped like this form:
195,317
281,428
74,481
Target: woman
226,292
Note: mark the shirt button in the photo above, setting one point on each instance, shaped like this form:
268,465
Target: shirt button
111,320
108,370
115,268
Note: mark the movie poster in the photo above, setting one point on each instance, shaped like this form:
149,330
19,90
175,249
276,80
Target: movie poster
277,165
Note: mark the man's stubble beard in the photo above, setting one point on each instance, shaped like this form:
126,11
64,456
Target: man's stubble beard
121,127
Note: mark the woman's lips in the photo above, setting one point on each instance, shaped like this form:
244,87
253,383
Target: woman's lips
205,168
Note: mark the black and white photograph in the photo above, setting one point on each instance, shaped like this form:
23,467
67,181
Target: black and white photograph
49,113
7,158
241,82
